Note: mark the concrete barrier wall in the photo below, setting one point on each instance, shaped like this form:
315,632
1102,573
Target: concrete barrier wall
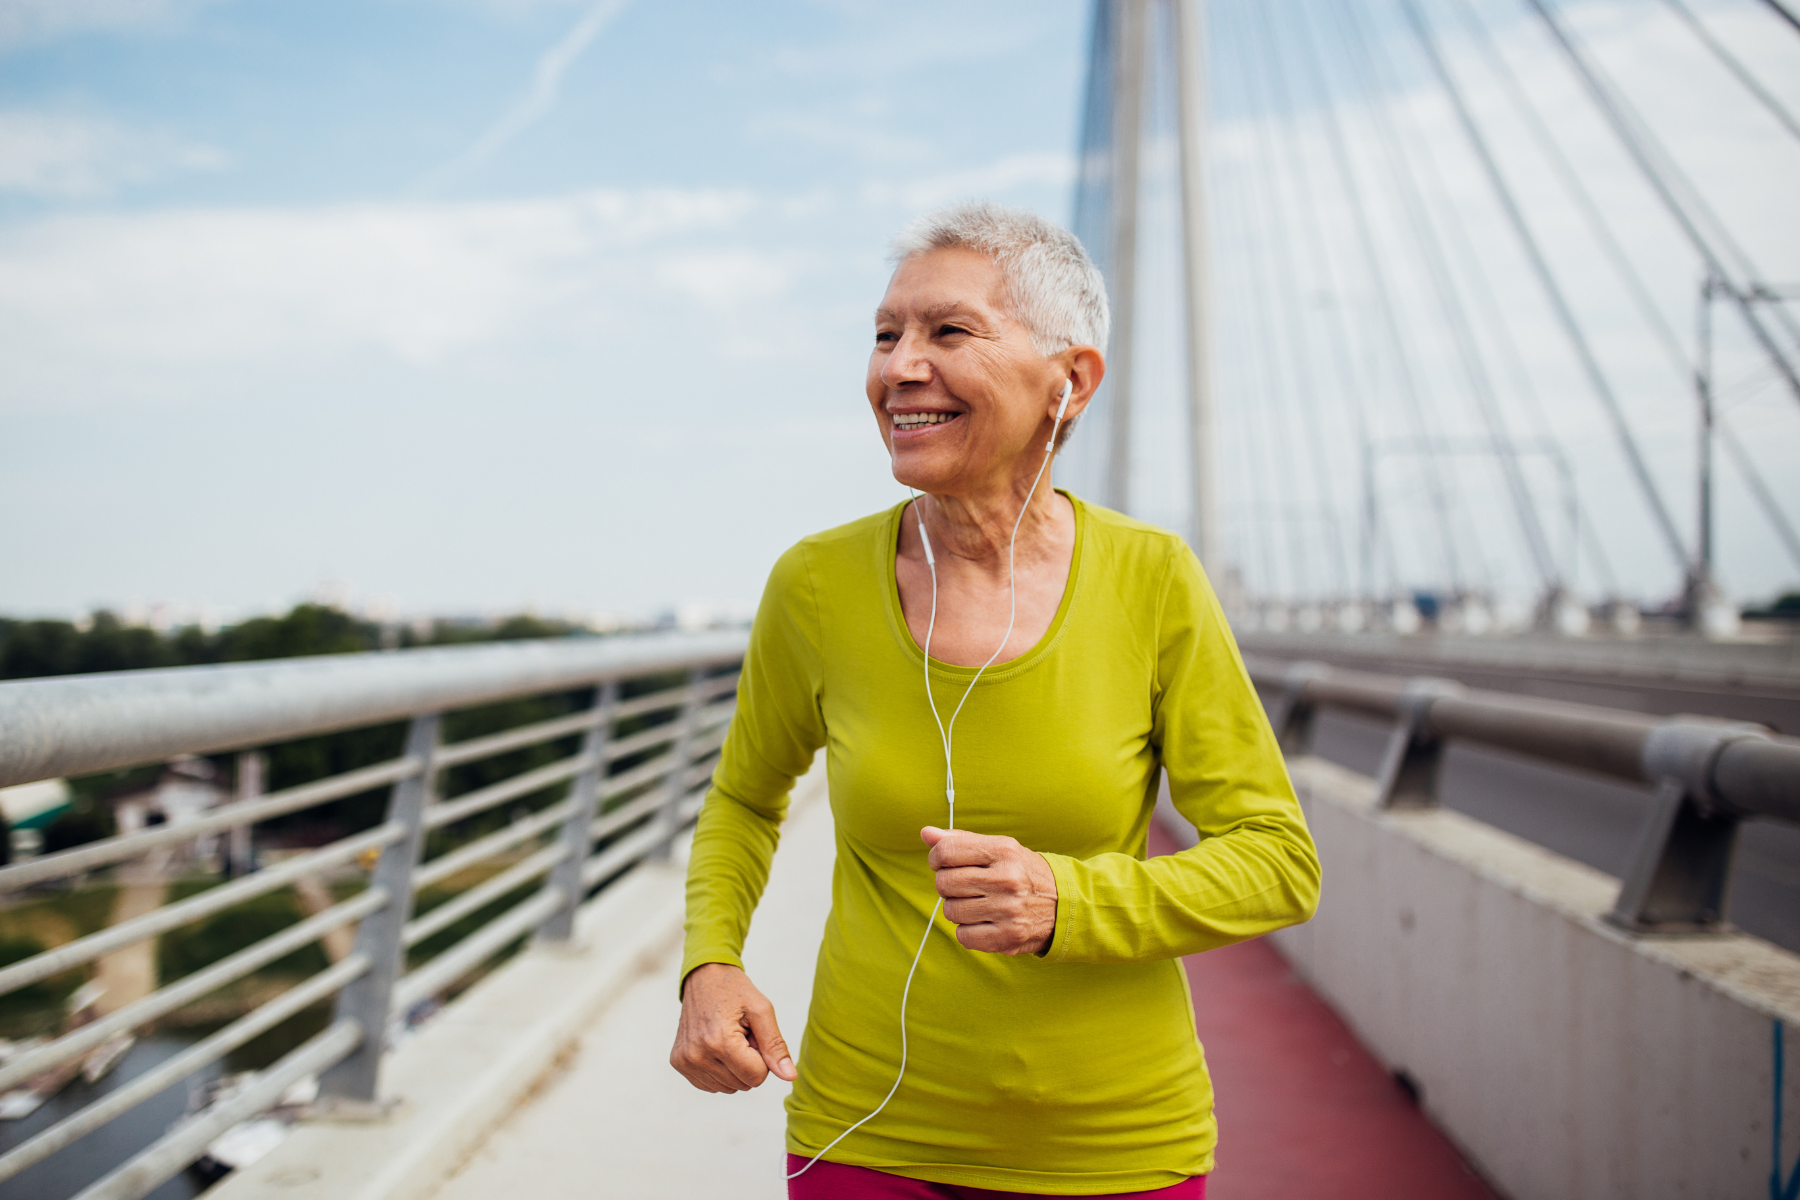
1568,1060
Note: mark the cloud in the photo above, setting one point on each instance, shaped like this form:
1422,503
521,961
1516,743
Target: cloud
67,156
861,132
44,20
160,294
539,99
1014,171
1744,165
725,279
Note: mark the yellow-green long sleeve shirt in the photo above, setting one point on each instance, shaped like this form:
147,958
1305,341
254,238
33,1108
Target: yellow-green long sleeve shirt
1075,1072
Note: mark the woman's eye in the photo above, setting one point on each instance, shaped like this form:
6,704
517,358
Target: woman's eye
951,330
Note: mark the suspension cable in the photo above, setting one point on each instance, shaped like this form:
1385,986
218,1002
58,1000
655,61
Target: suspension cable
1601,232
1738,70
1740,455
1665,178
1318,247
1284,270
1401,352
1559,303
1377,76
1266,371
1781,10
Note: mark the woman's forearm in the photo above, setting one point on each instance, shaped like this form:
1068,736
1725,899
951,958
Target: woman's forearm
1253,879
734,843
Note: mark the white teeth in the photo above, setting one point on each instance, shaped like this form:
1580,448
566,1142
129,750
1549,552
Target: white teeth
918,420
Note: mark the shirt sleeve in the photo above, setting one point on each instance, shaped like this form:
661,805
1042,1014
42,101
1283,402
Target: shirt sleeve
775,731
1255,868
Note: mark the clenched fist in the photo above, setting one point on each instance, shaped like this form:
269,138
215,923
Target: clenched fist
728,1040
1001,896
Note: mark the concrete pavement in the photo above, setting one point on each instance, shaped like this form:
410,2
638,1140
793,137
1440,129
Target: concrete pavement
1300,1100
618,1123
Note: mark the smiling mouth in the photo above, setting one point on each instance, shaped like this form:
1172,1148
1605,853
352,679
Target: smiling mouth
921,420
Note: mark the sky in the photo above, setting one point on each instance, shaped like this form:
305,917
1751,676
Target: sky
1267,154
473,306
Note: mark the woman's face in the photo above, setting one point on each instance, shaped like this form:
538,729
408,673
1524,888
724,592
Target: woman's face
960,393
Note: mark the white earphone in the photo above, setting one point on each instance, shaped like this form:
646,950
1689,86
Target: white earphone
946,729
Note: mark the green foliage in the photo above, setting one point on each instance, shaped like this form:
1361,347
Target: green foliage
94,789
183,951
456,931
308,629
32,648
39,648
85,821
36,1007
1785,607
492,718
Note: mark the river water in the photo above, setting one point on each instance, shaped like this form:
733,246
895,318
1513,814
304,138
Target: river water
68,1171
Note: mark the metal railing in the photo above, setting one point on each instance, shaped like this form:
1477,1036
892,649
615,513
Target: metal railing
1708,776
636,779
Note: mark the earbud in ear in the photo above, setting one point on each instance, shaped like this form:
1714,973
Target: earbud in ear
1068,390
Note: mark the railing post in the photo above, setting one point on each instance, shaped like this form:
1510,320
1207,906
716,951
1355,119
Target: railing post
675,790
379,938
1294,719
1410,767
1681,868
575,839
240,845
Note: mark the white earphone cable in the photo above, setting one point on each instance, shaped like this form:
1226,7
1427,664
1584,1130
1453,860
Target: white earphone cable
946,732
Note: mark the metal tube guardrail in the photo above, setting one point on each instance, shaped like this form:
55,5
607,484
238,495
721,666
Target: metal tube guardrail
80,724
638,777
1708,776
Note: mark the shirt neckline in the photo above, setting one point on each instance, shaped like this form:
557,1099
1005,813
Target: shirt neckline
890,550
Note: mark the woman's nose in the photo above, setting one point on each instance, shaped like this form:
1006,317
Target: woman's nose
906,363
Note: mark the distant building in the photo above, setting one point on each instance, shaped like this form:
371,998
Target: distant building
29,807
186,789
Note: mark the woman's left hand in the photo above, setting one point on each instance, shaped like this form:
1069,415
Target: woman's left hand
1001,896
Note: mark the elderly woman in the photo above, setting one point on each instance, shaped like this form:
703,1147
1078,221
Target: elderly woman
998,1008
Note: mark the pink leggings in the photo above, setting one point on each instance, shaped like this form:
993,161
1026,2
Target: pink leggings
839,1181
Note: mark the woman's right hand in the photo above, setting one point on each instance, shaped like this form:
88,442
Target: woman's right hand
728,1040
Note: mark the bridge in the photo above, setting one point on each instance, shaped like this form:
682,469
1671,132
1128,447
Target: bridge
1354,257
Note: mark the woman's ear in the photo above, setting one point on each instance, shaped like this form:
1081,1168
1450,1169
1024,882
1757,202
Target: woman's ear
1084,367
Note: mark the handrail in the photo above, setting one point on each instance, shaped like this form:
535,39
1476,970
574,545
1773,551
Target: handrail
1708,775
172,916
168,998
173,1070
449,812
458,753
481,849
82,724
227,816
580,823
479,897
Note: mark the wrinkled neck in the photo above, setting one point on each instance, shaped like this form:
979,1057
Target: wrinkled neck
977,527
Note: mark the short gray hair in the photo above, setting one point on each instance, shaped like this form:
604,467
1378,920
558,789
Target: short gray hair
1050,284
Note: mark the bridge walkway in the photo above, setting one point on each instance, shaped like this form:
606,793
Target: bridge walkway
1304,1109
